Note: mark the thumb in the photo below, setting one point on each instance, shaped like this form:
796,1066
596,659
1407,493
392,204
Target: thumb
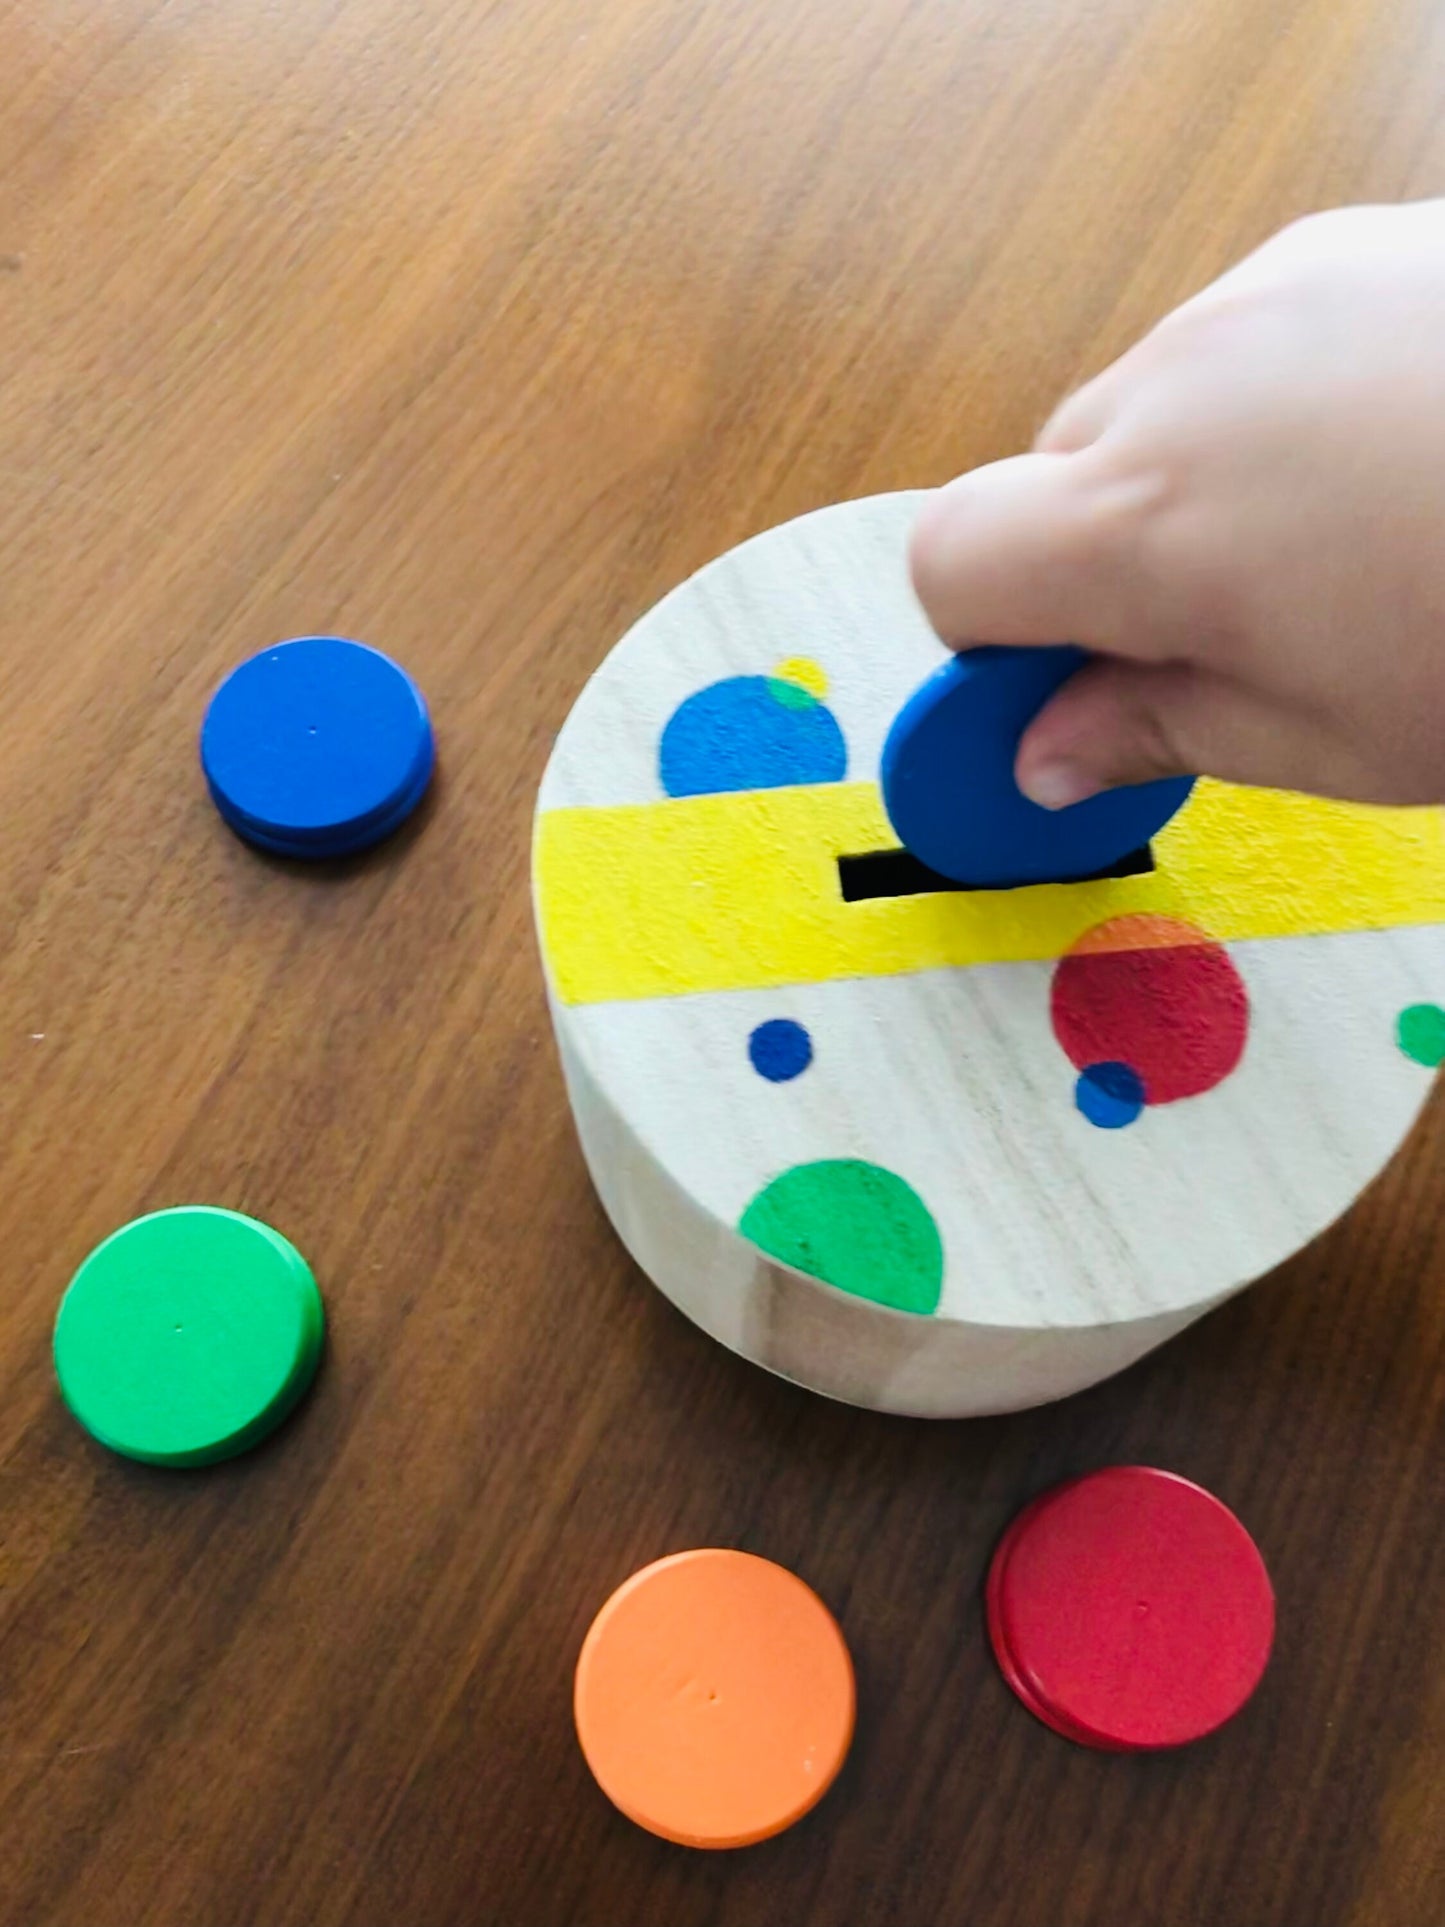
1124,722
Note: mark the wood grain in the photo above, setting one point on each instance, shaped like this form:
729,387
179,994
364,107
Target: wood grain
469,327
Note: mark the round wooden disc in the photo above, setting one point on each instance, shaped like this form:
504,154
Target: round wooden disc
714,1698
317,748
928,1148
1014,1676
1131,1610
188,1336
948,778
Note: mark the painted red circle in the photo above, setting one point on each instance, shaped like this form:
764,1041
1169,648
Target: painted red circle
1156,994
1133,1608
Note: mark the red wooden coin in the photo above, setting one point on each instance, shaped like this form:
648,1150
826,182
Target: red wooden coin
1001,1650
1019,1681
1131,1610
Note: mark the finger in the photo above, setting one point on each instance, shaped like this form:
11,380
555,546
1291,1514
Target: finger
1086,416
1078,421
1119,722
1030,550
1082,417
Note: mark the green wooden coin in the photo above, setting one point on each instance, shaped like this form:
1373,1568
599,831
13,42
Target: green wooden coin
188,1336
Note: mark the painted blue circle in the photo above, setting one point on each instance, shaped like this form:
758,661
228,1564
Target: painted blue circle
749,733
317,747
1110,1095
780,1049
949,789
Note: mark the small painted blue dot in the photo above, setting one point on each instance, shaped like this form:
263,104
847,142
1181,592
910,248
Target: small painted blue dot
780,1049
1110,1095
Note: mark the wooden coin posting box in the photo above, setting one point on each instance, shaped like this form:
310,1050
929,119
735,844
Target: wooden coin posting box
924,1148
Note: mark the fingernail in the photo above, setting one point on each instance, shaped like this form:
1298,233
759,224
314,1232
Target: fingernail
1057,786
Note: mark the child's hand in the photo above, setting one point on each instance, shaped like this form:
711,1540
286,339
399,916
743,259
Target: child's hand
1245,518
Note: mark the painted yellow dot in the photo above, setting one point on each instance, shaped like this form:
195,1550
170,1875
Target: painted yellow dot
805,673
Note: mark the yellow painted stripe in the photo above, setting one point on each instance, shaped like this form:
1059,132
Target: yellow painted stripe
741,891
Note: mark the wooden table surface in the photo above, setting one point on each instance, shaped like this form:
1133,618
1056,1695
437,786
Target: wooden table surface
469,327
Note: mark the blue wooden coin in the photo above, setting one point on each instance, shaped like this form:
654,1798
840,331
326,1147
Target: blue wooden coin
317,747
949,789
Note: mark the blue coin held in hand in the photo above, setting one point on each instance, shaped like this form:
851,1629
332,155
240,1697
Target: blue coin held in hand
317,748
949,789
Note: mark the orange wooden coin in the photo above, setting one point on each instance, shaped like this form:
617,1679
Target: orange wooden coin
714,1698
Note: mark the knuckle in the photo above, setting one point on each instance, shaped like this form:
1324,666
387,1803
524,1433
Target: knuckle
1115,533
1156,740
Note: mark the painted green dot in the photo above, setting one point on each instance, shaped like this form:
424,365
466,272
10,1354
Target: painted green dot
855,1225
791,695
188,1336
1421,1031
